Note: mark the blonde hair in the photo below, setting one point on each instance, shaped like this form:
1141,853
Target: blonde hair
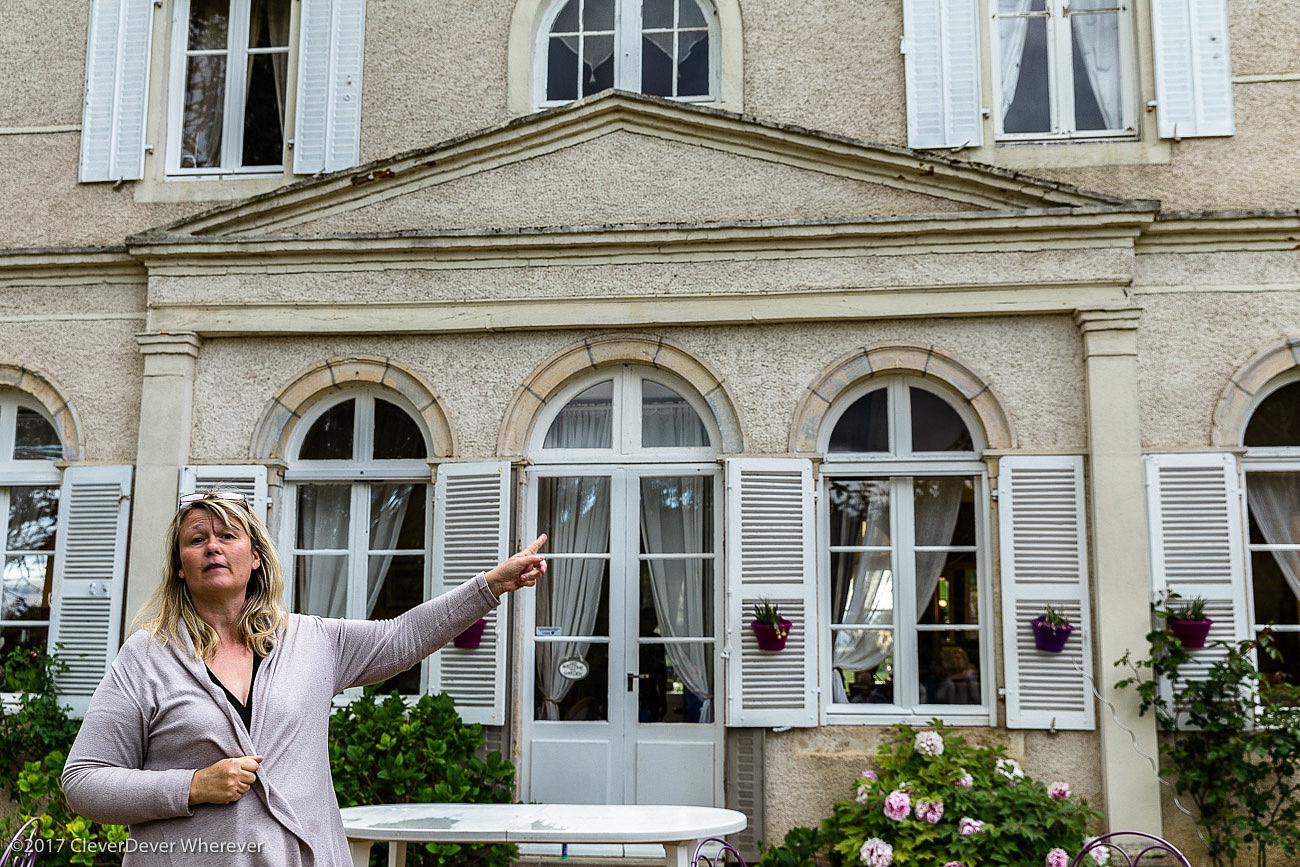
263,615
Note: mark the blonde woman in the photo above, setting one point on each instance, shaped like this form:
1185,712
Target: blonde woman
208,734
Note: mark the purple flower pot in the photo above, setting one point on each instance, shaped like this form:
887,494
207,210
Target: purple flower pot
770,637
1049,638
472,636
1192,633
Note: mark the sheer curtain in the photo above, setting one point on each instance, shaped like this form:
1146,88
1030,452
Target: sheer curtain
1097,36
387,511
322,580
270,19
675,518
1274,500
1012,28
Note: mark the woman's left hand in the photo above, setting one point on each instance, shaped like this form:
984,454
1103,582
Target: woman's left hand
521,570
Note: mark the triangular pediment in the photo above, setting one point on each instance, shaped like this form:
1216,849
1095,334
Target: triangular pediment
627,160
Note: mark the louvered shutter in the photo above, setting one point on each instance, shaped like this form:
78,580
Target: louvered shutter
247,479
1193,68
89,577
117,90
1042,529
327,128
942,66
770,555
471,532
1198,543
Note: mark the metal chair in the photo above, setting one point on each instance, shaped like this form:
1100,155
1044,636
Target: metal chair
22,848
699,859
1144,845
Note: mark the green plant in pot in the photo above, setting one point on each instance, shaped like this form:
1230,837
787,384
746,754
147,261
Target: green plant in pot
1052,629
770,628
1185,618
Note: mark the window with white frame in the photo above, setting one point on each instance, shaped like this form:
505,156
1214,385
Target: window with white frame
1272,464
658,47
903,529
359,512
29,503
1064,68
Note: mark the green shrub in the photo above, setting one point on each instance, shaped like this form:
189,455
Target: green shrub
36,725
932,799
386,752
68,838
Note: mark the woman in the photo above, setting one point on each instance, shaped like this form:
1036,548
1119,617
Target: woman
208,735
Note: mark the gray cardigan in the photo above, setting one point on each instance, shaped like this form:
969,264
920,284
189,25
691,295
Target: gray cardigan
157,717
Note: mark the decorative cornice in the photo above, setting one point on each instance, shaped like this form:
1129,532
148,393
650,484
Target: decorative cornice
70,266
1220,231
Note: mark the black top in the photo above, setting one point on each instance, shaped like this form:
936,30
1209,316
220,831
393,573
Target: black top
245,711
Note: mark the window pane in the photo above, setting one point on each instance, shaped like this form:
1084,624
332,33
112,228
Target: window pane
209,24
597,15
397,517
567,20
937,504
33,518
320,585
324,513
35,438
205,95
936,426
1276,422
691,14
330,438
1275,598
865,665
1098,97
950,667
677,515
657,64
676,684
676,599
859,512
667,419
269,24
562,68
27,582
396,433
34,636
862,588
586,422
597,64
953,598
864,427
557,696
1024,75
1284,671
395,585
693,64
657,14
264,110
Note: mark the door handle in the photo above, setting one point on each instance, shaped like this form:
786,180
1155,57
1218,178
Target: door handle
633,678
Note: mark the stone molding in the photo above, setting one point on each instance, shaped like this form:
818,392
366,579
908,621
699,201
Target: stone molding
40,387
1247,387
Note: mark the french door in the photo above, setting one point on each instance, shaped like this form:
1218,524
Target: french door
621,679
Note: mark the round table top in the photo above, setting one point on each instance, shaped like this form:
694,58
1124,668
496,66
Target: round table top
538,823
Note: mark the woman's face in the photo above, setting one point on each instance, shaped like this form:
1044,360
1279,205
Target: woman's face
216,560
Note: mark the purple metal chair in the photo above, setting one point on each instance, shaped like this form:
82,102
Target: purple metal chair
1132,855
699,859
21,851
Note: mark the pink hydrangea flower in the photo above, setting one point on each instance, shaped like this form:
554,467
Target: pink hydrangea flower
929,811
897,805
1058,790
868,774
1058,858
967,826
965,781
877,853
928,743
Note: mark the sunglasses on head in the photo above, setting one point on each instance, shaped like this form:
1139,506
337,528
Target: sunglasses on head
200,496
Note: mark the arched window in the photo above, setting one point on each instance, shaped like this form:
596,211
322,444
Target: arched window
359,499
1272,463
903,546
658,47
29,502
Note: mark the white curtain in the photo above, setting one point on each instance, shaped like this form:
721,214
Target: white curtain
1012,27
1274,500
675,518
322,580
1097,36
270,18
387,511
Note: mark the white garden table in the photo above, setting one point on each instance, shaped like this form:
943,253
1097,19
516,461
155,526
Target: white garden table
676,828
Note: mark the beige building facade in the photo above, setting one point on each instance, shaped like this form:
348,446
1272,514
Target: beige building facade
911,316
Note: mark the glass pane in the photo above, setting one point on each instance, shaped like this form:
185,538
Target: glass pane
676,683
1284,672
330,438
562,68
864,427
27,582
1275,597
567,20
859,512
953,597
586,422
33,518
937,505
320,585
1276,422
936,426
574,513
324,512
396,434
204,119
862,588
34,636
1097,94
950,666
864,663
657,64
572,681
667,419
209,23
597,15
657,14
677,515
597,64
693,64
264,110
269,24
397,517
677,599
1025,88
691,14
35,438
395,585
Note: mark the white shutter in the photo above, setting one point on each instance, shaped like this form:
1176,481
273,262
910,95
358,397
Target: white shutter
327,129
89,576
941,50
1198,545
770,555
247,479
1042,529
117,90
1193,68
471,531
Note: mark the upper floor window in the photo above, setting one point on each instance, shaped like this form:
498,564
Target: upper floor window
657,47
230,74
